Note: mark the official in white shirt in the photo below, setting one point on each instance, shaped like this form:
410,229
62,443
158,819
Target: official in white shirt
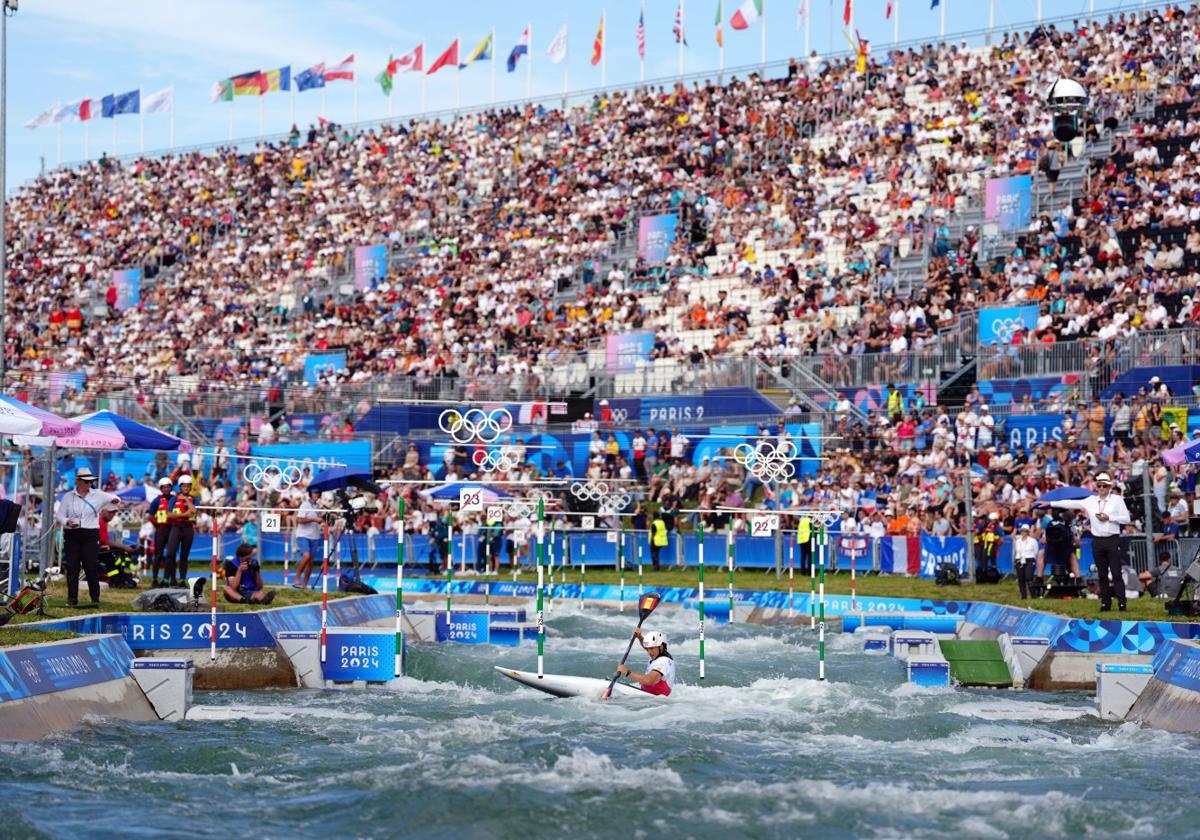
79,515
1025,555
1106,514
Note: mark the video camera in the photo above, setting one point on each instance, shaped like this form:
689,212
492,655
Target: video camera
350,504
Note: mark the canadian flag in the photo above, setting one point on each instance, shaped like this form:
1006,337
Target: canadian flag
414,62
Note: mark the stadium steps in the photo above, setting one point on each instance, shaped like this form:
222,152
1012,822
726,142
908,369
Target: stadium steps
977,662
952,391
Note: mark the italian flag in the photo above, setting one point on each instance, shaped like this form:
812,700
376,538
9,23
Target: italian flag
747,15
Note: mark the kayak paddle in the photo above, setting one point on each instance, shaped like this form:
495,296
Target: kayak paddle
646,605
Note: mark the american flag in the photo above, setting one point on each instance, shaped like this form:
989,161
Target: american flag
641,33
678,27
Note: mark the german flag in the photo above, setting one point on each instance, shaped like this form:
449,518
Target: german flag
253,83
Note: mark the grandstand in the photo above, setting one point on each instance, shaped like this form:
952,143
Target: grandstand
832,245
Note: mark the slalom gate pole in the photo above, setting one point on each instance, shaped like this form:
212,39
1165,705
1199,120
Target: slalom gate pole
792,576
400,590
853,585
212,644
449,563
730,553
287,546
550,568
701,598
337,558
541,624
582,569
515,561
822,550
462,556
324,588
812,579
621,563
639,565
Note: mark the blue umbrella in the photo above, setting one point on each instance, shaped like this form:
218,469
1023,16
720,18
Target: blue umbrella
1062,494
335,478
451,491
110,431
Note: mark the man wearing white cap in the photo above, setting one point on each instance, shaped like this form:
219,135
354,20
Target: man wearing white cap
79,515
1106,514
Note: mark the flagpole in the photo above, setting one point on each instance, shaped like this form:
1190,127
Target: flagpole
141,125
324,112
392,89
231,117
354,88
424,76
291,98
641,52
991,21
58,142
172,140
87,140
261,117
603,48
942,7
682,36
720,43
566,63
493,51
895,22
807,28
1039,12
458,74
114,146
529,63
851,22
762,36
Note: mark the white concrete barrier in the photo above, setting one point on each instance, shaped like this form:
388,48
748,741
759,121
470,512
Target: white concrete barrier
167,684
1118,686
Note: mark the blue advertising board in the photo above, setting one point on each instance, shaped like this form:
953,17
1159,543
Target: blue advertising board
463,627
938,550
655,235
370,265
1008,203
318,364
1023,431
27,672
998,325
359,655
711,406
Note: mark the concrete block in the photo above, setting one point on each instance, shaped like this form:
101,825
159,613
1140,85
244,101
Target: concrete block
905,643
875,642
303,650
167,684
1118,687
1029,651
928,670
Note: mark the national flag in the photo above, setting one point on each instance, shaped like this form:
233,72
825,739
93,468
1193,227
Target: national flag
414,62
933,4
719,23
122,103
313,77
60,114
253,83
385,76
280,79
747,14
641,34
160,102
343,71
447,59
598,44
802,13
900,555
87,109
861,48
680,35
558,47
482,52
222,91
848,12
887,15
41,119
522,48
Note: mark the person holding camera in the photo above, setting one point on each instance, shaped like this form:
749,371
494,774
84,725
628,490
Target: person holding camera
243,579
79,515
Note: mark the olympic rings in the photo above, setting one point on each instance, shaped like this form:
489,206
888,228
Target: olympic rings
600,492
272,476
475,424
492,460
766,461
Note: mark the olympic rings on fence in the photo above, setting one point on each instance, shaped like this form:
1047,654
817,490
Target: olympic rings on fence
475,424
600,493
492,460
767,461
272,476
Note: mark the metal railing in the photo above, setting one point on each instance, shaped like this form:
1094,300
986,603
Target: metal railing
1023,361
870,369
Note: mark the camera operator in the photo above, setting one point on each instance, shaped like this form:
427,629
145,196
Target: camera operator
243,579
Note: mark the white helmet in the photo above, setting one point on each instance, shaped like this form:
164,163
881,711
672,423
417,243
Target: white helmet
654,638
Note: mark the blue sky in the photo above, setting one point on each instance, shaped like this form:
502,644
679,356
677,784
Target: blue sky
63,50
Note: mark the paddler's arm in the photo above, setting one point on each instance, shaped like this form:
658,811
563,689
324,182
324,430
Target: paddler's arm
651,678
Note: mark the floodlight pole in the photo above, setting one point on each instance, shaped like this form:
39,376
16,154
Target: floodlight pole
10,7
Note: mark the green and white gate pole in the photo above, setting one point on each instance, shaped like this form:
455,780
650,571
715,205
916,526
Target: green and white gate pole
541,624
701,597
582,568
400,590
729,540
812,578
621,563
822,549
449,562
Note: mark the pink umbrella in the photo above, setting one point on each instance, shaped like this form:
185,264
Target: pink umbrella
18,418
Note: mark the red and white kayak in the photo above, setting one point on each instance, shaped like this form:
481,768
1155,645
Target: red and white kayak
564,685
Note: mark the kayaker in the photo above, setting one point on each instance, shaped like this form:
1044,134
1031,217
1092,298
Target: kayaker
660,673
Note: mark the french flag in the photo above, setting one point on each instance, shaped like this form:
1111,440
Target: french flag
900,556
522,48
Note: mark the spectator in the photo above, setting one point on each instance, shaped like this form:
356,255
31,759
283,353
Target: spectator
243,579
